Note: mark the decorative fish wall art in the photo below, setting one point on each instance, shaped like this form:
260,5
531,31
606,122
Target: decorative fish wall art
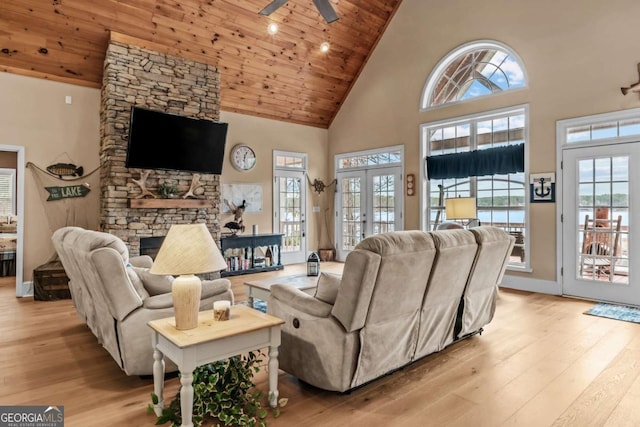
65,169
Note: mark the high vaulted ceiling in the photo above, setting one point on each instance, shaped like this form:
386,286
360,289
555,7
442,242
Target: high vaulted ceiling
283,77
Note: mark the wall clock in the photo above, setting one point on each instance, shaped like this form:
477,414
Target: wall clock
243,158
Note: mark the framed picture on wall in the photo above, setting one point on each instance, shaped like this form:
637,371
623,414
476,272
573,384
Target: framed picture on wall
236,193
542,187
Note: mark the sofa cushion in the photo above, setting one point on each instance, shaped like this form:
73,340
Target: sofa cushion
405,265
136,282
457,250
327,289
154,284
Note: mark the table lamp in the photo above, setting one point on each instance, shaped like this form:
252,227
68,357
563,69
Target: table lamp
187,250
459,208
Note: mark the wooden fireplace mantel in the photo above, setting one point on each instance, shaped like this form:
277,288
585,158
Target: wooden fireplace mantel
169,203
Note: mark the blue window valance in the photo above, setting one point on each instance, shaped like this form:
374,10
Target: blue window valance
492,161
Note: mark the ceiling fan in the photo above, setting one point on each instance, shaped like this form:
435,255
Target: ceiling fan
325,9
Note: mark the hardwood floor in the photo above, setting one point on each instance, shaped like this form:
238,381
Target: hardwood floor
541,362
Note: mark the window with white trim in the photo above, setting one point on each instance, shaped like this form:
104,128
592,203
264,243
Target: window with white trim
7,191
500,198
473,70
290,161
602,130
379,157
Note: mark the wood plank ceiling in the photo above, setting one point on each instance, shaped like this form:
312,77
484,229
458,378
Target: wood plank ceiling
283,77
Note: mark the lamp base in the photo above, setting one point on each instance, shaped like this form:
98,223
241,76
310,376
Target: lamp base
186,291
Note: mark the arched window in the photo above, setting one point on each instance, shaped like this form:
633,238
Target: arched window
475,69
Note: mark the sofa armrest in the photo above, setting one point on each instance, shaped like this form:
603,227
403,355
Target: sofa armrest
144,261
158,301
318,350
210,288
328,286
301,301
113,282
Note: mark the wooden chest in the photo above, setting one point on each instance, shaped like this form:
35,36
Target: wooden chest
50,282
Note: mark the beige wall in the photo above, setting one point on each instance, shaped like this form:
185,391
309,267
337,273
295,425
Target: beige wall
265,136
577,54
33,114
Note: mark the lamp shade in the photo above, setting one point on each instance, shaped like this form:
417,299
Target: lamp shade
188,249
460,208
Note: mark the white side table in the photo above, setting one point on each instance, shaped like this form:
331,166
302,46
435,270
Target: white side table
246,330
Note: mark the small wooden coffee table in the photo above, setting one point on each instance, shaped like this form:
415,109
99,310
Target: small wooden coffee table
262,288
246,330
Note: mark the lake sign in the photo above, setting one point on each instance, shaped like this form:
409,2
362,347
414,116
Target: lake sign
67,192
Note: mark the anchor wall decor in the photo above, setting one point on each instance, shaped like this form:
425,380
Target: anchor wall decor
542,187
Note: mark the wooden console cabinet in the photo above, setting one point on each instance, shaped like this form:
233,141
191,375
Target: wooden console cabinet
50,282
243,247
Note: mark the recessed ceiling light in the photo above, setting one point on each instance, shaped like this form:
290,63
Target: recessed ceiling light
324,47
272,28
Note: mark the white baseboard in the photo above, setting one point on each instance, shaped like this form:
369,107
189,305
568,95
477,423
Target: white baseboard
531,285
27,289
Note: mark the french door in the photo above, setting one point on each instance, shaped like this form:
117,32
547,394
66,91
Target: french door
368,202
290,214
600,213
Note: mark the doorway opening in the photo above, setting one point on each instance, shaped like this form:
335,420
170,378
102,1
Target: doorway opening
12,160
369,196
598,208
290,204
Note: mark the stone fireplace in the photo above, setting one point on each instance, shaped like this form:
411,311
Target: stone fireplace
156,81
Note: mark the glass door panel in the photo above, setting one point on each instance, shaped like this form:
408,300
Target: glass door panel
603,244
290,216
385,208
351,212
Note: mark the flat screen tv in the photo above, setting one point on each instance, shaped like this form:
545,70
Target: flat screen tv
167,141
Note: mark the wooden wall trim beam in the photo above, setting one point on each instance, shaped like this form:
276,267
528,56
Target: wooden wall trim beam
48,76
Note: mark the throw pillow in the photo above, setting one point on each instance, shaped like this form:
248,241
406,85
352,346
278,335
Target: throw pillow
136,282
153,283
328,286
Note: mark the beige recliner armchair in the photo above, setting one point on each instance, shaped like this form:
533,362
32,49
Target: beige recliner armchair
117,296
402,295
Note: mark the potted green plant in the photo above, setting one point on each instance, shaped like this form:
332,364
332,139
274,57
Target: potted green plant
223,391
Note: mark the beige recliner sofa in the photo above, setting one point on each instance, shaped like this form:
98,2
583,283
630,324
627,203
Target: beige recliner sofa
117,296
402,296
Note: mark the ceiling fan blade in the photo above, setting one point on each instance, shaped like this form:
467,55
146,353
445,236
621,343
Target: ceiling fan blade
272,7
326,10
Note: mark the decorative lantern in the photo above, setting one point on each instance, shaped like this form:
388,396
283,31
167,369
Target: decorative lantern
313,265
